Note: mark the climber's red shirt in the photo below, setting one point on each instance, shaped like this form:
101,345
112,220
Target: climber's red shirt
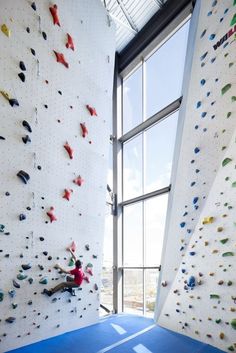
79,274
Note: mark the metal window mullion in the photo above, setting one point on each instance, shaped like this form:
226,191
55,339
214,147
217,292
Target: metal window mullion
159,192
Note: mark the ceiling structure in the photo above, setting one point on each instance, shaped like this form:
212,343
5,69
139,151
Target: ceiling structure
130,16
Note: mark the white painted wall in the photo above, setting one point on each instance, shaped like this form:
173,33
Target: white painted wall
87,81
215,137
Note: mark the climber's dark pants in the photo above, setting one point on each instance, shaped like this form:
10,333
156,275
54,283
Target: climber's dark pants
69,284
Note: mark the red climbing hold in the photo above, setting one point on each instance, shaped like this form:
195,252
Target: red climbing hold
69,150
78,181
51,215
53,10
67,194
70,43
61,59
84,129
91,110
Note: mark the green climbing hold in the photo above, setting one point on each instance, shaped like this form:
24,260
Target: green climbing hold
2,228
231,348
43,280
226,161
233,99
233,21
89,265
1,295
71,262
224,241
218,321
234,184
214,296
229,253
229,283
234,2
230,65
225,88
21,276
228,114
233,324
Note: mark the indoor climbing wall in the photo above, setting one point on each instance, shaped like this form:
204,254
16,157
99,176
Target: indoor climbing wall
56,77
198,292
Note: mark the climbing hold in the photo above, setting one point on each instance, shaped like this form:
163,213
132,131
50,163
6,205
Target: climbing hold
91,110
233,324
202,82
218,321
214,296
203,33
2,138
234,184
43,280
203,56
226,161
224,241
22,76
2,227
84,129
203,114
229,253
225,88
14,305
22,217
233,99
67,194
15,284
26,125
26,139
12,293
71,262
198,104
192,253
182,225
23,176
1,295
44,35
78,181
208,220
13,102
21,276
61,59
5,30
69,150
196,149
30,280
10,319
33,51
53,10
212,36
191,282
87,247
26,266
33,5
22,66
70,44
51,215
233,21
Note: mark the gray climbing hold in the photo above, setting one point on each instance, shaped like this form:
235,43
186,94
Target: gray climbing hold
23,176
15,284
2,227
26,266
43,280
21,276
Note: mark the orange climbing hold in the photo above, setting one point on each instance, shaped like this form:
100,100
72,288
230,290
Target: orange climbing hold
61,59
69,150
67,194
70,43
78,181
53,10
51,215
84,129
91,110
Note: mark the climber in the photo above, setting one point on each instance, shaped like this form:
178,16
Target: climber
70,283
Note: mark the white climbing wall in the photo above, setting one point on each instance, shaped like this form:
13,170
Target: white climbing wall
53,101
204,187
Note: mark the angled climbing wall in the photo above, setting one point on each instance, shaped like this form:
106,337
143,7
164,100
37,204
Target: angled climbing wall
198,292
56,76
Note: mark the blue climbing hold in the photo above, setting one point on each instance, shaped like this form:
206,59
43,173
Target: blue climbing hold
192,183
209,13
12,293
208,93
199,103
203,114
213,60
226,44
22,217
183,270
203,81
182,248
226,10
195,200
203,56
214,3
182,225
212,36
196,207
191,282
196,149
192,253
203,33
196,127
189,231
185,214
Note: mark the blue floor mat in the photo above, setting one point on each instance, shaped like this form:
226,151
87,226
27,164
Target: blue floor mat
108,336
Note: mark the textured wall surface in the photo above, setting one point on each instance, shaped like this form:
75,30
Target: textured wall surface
199,284
53,100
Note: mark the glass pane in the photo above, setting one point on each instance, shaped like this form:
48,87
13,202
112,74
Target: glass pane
158,155
133,235
164,72
132,101
133,291
154,223
151,277
132,168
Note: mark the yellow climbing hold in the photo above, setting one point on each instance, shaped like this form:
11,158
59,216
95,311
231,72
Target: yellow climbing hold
208,220
6,30
5,95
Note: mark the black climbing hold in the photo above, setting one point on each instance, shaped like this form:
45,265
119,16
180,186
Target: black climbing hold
26,125
27,29
26,266
44,35
13,102
7,193
28,208
49,258
23,176
41,238
39,167
87,247
32,51
2,138
22,76
30,302
45,253
10,319
22,217
45,106
41,267
30,280
22,66
33,5
60,92
26,139
15,284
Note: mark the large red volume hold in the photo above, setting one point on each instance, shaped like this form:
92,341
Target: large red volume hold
70,43
69,150
78,181
84,129
67,194
53,10
91,110
61,59
51,215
